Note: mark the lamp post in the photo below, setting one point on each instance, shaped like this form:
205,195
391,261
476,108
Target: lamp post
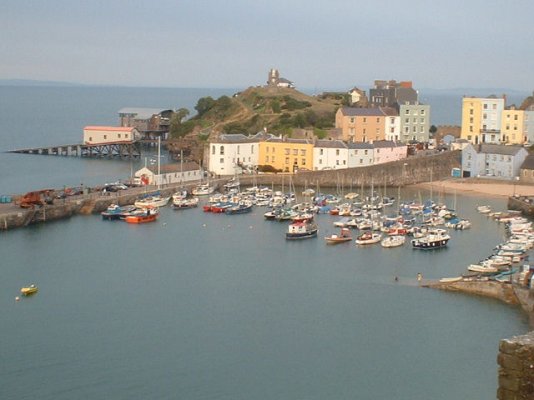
516,179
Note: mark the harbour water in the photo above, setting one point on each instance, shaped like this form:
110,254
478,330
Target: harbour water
199,306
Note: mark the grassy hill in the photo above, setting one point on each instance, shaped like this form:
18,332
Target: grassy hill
280,110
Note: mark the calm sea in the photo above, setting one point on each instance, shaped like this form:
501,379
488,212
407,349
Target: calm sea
201,306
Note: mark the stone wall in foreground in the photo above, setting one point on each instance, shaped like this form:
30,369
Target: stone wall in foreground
516,368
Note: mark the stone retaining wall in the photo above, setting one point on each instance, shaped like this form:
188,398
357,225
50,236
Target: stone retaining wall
516,368
398,173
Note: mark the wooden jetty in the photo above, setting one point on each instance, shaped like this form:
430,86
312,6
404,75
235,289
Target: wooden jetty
108,150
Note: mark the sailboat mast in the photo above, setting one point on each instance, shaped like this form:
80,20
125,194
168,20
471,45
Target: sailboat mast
159,161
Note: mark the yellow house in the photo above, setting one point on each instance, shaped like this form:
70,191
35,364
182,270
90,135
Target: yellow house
512,126
471,117
481,119
285,154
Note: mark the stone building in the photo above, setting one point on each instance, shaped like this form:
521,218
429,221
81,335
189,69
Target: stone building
392,93
275,80
526,171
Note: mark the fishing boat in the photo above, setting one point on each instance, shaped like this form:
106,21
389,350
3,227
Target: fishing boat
148,214
178,204
451,279
241,208
393,241
368,238
482,268
344,236
29,290
301,230
203,189
152,201
484,209
434,239
232,184
114,212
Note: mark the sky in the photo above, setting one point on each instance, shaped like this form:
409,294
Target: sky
335,44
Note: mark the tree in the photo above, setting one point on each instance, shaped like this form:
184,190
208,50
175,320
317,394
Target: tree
433,129
204,104
177,121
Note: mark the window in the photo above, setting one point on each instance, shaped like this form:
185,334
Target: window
407,112
286,152
422,120
251,149
344,162
105,136
221,151
295,152
320,161
361,160
272,158
237,149
90,138
287,160
422,112
212,149
485,106
364,119
267,149
407,120
126,136
303,152
321,152
221,160
352,120
266,159
337,162
378,120
365,152
471,111
303,161
392,120
515,119
337,152
119,135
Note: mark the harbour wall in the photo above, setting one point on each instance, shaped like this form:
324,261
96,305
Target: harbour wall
516,355
523,204
516,368
409,171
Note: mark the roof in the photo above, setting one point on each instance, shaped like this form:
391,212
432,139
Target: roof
386,143
359,145
498,149
142,113
108,128
362,112
275,139
332,144
528,163
235,138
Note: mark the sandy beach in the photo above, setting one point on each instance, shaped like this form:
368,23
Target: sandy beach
478,187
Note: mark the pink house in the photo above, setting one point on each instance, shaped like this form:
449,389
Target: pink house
386,151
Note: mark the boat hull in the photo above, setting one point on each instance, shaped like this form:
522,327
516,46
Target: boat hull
299,236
